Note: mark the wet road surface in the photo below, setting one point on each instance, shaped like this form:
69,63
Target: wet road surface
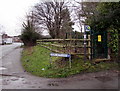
14,76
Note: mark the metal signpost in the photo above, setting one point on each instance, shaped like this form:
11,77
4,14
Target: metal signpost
61,55
84,46
86,29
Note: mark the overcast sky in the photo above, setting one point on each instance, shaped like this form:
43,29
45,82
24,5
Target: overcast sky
12,14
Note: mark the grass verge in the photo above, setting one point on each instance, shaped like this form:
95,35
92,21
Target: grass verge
36,61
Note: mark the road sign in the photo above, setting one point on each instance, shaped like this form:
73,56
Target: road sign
87,28
99,38
60,55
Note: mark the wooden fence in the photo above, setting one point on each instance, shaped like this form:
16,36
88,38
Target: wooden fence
69,46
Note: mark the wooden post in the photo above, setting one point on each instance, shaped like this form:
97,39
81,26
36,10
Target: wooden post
75,42
50,60
89,48
70,61
109,49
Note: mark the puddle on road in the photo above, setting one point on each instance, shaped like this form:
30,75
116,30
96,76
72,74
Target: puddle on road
53,84
18,82
17,79
103,78
13,80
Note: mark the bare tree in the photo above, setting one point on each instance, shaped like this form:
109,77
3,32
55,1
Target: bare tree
31,18
49,16
83,11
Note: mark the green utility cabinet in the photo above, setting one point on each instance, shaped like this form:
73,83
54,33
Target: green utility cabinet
99,44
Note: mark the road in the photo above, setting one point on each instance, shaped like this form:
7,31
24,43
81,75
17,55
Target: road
14,76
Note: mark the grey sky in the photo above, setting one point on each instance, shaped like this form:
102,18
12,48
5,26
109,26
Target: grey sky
12,14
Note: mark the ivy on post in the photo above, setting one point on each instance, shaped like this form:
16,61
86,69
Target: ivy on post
75,42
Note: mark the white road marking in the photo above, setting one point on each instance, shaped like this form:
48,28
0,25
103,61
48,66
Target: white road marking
2,68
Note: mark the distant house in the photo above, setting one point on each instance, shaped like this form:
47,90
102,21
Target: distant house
16,39
6,39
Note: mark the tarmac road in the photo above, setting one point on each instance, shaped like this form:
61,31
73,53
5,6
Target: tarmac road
14,76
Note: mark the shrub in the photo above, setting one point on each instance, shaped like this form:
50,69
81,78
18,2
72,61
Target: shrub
29,36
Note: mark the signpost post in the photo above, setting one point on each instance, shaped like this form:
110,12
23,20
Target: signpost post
61,55
86,29
84,46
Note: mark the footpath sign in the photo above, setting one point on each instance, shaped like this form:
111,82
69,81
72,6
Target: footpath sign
87,28
60,55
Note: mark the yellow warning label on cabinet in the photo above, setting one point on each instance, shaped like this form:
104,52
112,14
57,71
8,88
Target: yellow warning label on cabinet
99,38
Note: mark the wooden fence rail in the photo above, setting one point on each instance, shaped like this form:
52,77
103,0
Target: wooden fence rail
69,46
63,46
54,40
